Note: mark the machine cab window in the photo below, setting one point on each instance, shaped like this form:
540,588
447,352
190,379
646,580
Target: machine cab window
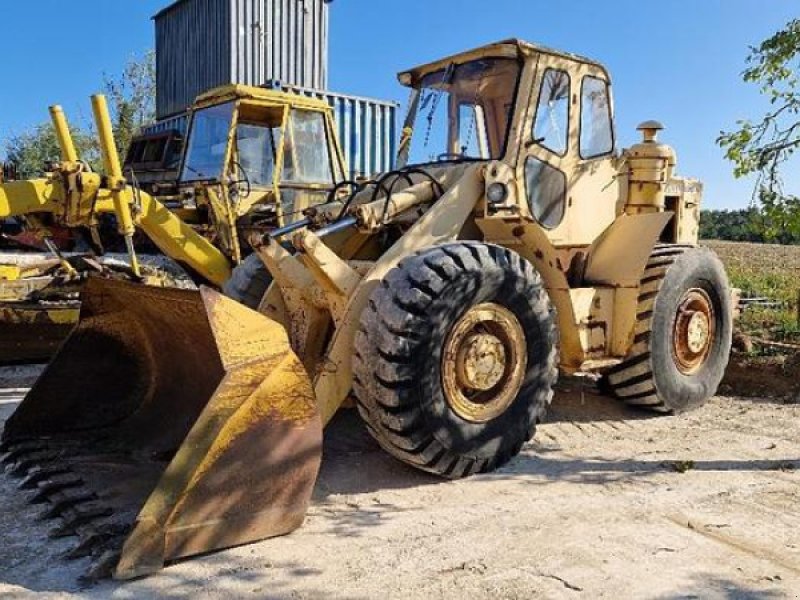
257,145
463,111
208,144
551,129
306,157
597,133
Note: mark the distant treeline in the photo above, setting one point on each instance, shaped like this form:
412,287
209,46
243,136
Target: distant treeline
746,225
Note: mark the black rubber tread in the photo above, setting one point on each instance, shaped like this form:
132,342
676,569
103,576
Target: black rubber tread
397,357
249,282
636,380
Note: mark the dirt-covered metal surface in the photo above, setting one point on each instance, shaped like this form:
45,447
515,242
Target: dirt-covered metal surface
37,313
143,452
607,502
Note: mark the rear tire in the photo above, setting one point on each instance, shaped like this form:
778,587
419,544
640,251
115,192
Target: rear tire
486,310
683,333
249,282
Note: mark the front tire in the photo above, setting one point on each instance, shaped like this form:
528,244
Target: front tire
249,281
683,333
456,358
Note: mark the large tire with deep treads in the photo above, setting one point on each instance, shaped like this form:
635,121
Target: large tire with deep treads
249,282
673,366
412,334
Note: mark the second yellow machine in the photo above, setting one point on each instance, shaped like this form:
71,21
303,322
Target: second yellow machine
255,159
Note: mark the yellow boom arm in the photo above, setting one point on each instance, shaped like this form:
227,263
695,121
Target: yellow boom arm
173,237
74,196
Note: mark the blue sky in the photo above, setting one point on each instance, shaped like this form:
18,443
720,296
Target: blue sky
678,61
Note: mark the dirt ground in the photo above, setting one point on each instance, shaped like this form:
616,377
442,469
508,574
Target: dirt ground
607,502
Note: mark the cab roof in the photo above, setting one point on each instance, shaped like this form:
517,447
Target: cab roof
510,48
232,92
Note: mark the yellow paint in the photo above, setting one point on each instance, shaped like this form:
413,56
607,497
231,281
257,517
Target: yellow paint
116,181
10,272
63,135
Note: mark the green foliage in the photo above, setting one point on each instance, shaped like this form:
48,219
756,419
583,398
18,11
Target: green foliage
33,150
763,147
131,98
765,271
747,225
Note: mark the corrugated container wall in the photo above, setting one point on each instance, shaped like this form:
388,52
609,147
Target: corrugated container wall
202,44
367,129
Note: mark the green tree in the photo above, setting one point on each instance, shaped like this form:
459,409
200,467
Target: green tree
132,98
32,151
764,147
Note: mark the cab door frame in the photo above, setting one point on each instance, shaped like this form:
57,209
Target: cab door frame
593,196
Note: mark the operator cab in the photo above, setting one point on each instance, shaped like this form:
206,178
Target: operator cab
546,114
269,153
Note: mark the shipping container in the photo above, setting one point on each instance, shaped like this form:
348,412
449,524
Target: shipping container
203,44
367,128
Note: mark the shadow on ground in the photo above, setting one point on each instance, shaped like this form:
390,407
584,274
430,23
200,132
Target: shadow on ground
716,587
354,465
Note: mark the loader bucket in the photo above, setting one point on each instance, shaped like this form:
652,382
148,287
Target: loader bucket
170,423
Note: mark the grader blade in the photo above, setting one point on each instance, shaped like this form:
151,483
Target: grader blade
171,423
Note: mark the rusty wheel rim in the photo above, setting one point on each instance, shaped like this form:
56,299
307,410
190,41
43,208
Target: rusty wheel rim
694,331
484,363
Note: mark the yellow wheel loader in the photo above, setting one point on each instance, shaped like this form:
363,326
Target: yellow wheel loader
255,159
513,242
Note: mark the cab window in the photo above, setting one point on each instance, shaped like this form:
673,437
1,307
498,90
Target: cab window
306,157
257,150
597,135
551,128
547,192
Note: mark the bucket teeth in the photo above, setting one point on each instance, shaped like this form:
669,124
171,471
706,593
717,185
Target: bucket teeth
80,515
55,484
28,462
20,450
95,540
39,474
102,568
66,499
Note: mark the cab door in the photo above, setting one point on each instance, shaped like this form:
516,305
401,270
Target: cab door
568,165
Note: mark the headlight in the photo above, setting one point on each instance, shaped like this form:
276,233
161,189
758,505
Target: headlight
497,193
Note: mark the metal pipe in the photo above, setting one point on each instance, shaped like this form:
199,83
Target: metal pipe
113,168
280,232
63,134
337,227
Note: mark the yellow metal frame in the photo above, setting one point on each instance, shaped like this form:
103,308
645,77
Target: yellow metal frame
70,192
225,213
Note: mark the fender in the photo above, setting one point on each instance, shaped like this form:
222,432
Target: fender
619,256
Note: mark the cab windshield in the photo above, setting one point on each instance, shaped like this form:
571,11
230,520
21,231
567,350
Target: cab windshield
258,138
208,144
463,112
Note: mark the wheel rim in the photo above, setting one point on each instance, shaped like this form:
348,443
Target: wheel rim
694,331
484,363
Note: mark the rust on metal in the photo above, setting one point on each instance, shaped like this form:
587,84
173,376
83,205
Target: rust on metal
32,332
484,362
694,331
